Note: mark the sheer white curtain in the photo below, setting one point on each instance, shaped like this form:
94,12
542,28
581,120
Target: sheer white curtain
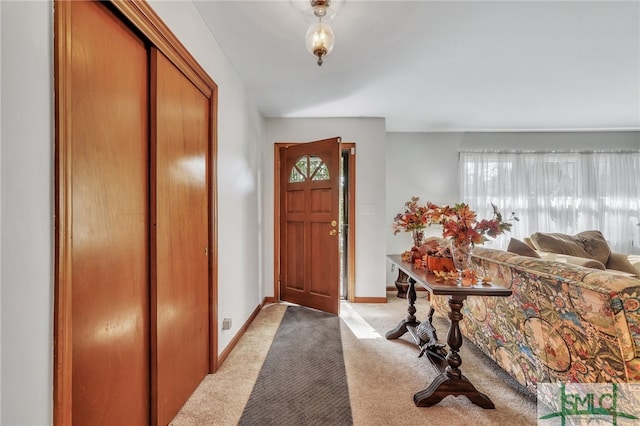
566,192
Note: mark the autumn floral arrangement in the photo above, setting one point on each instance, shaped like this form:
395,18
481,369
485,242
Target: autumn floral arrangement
460,225
414,219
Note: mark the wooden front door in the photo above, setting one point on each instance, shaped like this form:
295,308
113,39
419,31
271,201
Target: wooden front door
310,223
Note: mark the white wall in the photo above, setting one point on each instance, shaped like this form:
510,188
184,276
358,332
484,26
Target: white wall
26,231
423,165
26,197
240,136
552,140
369,136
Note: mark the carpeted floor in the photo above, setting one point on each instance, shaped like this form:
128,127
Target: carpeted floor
382,375
303,379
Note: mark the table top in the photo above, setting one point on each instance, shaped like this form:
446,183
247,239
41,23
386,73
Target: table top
438,286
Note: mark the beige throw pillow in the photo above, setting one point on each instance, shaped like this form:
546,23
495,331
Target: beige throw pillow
587,244
558,243
521,249
595,244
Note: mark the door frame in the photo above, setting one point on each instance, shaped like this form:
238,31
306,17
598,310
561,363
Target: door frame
351,236
141,18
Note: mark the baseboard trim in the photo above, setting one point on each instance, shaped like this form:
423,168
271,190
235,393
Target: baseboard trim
269,300
370,300
238,335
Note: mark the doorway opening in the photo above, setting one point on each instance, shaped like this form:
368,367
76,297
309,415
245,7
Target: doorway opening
344,224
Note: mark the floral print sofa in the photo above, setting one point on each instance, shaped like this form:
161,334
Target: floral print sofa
563,322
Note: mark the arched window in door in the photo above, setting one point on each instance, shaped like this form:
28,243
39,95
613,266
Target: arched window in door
308,167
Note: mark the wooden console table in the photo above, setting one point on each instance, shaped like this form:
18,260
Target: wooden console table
450,380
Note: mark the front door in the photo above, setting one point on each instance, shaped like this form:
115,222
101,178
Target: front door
310,223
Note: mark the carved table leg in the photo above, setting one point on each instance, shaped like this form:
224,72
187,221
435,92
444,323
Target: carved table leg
402,284
451,381
401,328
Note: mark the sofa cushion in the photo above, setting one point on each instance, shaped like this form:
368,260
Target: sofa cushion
520,248
629,263
573,260
587,244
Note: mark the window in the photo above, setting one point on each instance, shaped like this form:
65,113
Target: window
564,192
309,167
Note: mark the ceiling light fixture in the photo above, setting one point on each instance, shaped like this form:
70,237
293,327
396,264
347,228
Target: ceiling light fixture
320,38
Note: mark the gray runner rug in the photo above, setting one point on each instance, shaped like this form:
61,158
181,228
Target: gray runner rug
303,379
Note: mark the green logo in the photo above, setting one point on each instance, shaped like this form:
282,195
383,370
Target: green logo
608,404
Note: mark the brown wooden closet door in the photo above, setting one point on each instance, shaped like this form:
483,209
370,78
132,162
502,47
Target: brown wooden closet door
180,293
109,204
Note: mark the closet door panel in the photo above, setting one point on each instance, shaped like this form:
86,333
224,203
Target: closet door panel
180,289
110,256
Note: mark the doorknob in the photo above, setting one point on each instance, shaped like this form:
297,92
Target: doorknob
333,232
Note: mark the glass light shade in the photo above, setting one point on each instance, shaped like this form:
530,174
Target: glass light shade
320,40
308,7
327,14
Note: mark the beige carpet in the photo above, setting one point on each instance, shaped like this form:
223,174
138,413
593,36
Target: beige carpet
382,374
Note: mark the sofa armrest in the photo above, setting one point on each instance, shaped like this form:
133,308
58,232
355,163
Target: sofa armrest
574,260
624,262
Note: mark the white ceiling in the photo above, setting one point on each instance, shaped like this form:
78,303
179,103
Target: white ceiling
443,65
